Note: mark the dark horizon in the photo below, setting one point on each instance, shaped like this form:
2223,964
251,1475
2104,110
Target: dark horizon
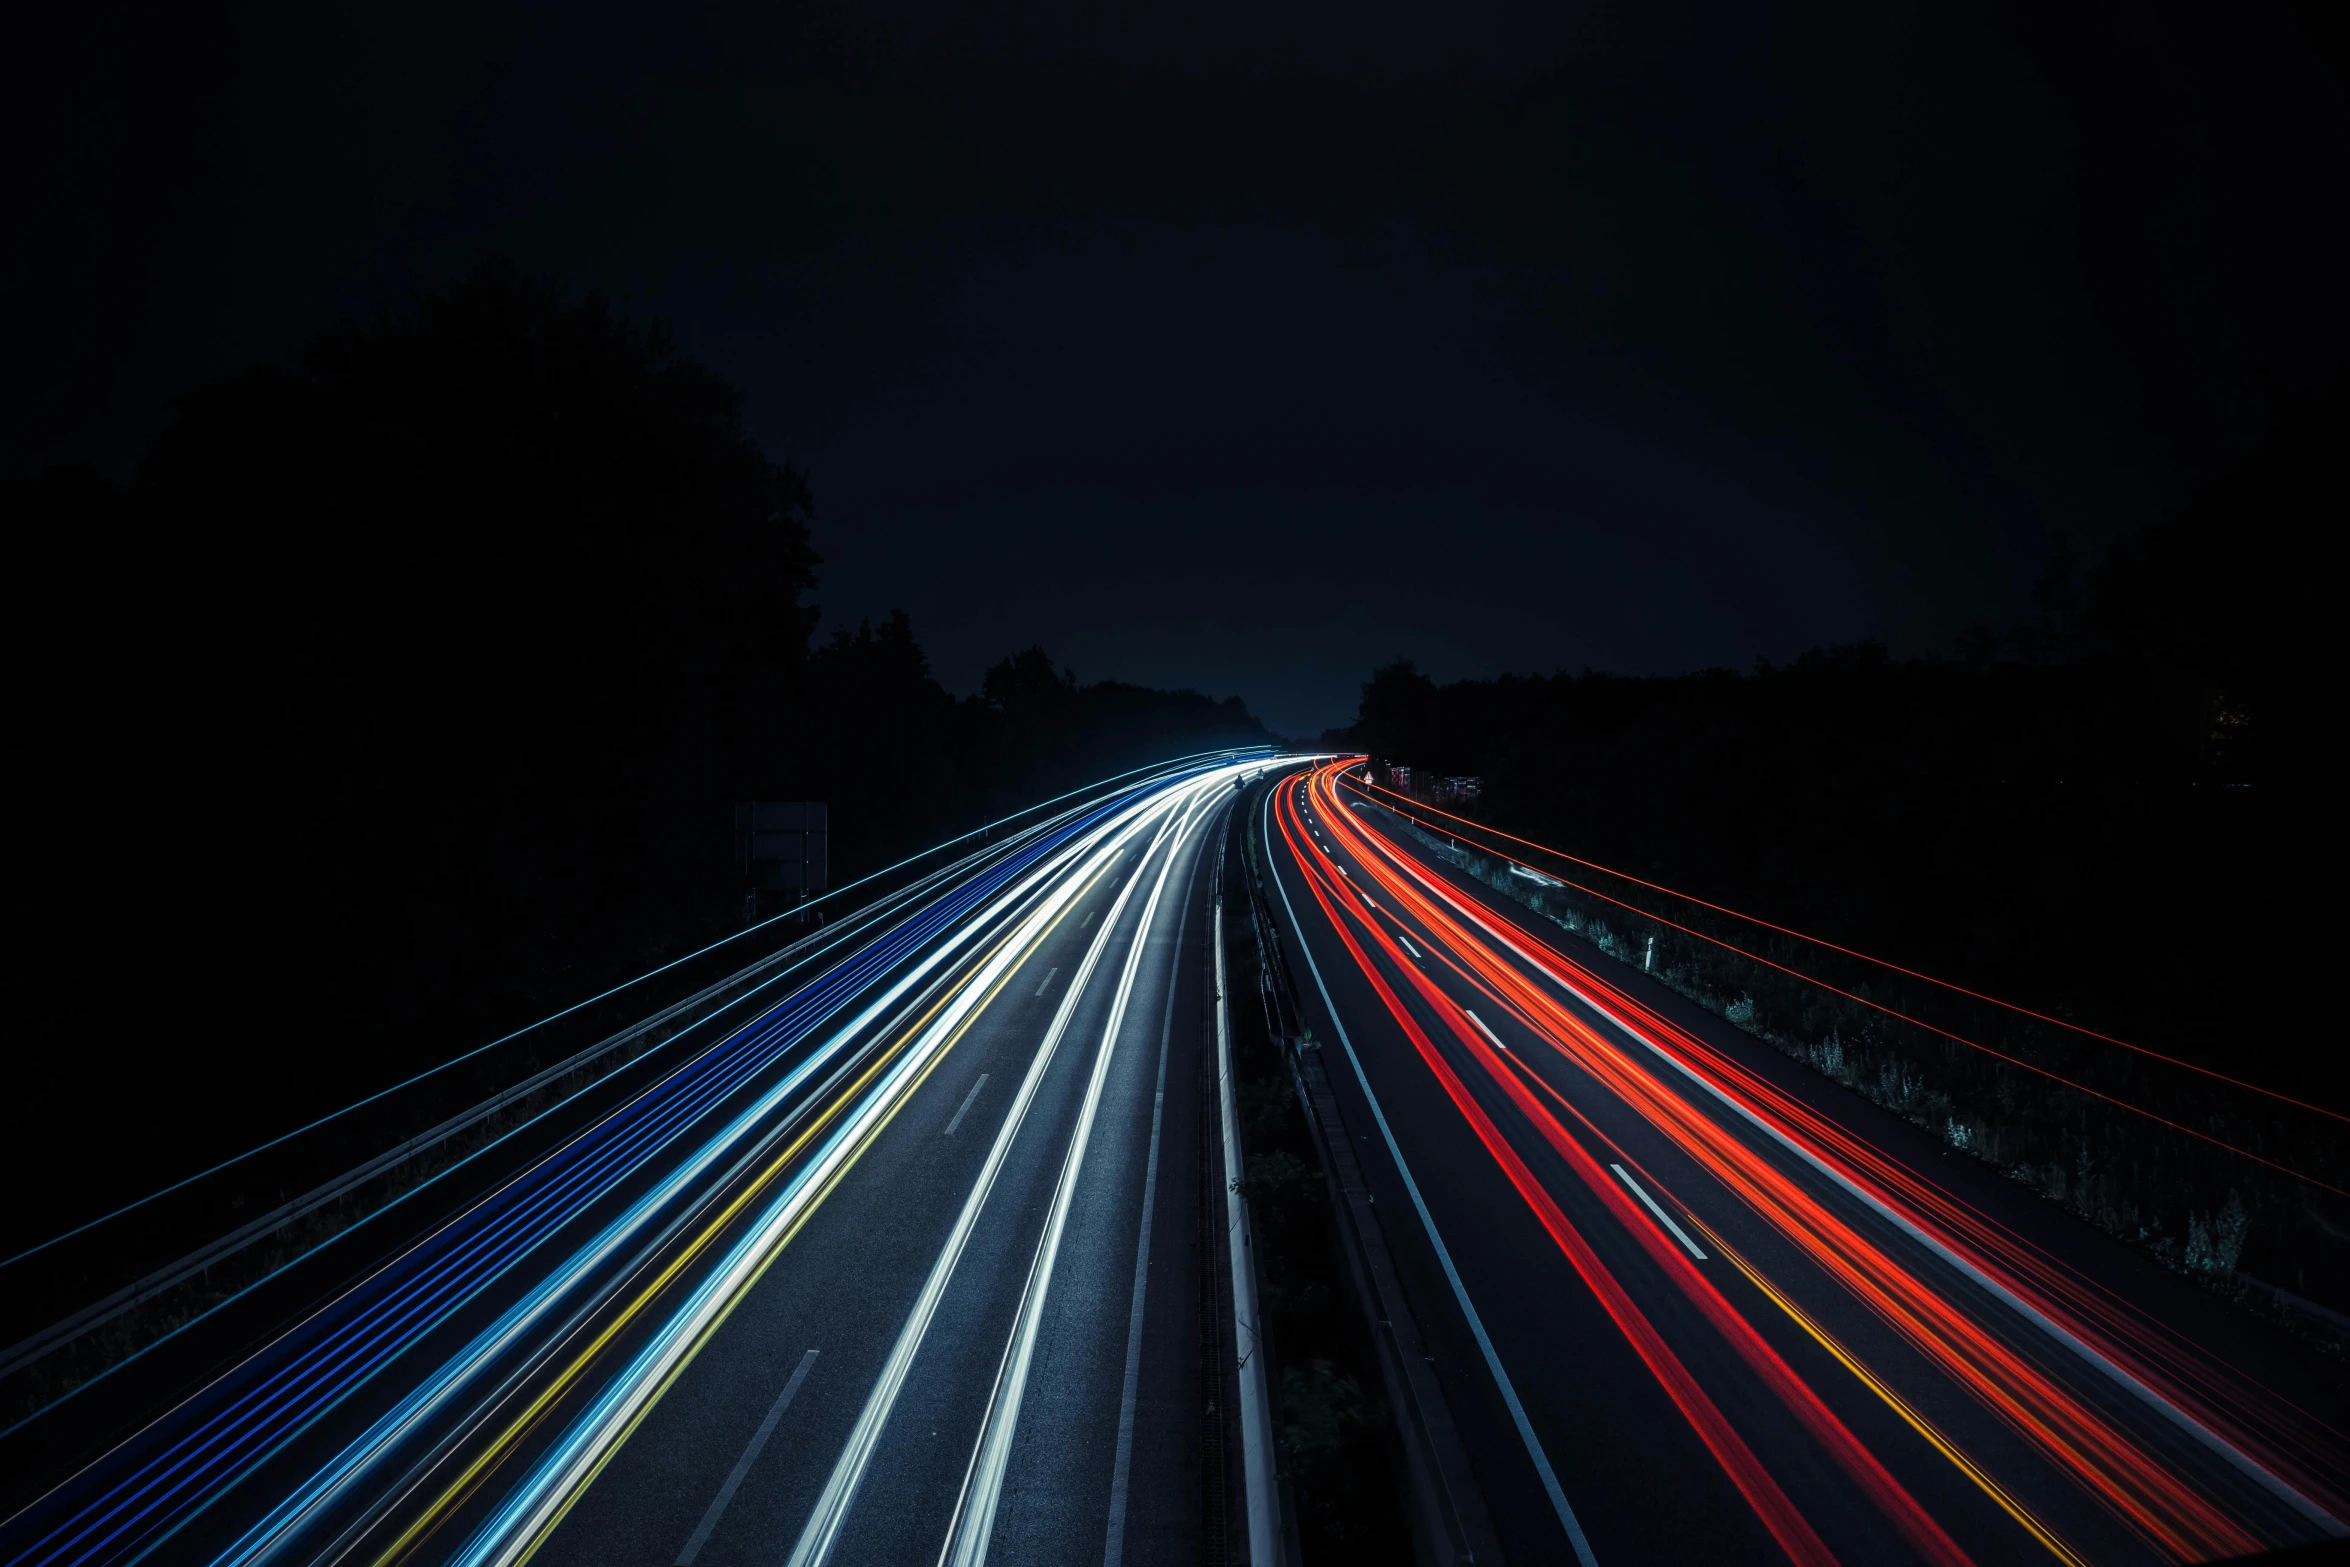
1645,342
664,912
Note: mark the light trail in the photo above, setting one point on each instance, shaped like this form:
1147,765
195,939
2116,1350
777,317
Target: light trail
147,1489
532,1510
1772,1507
2217,1425
797,911
974,1516
1899,1405
1817,941
1529,982
1502,1380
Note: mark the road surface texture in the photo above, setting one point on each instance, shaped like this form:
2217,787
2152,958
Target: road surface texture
905,1267
1691,1301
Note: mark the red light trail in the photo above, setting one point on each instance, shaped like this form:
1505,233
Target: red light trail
2013,1364
1819,941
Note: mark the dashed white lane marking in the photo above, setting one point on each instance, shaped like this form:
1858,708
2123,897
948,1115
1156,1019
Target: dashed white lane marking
1662,1217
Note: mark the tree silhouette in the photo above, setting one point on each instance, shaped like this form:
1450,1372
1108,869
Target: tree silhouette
408,688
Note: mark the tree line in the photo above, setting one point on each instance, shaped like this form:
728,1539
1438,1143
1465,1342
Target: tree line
2116,810
404,692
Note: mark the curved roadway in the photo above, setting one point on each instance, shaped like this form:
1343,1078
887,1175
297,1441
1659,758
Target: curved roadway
1692,1302
903,1269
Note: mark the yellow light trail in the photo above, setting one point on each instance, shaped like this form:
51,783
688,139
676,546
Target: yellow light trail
467,1483
1893,1401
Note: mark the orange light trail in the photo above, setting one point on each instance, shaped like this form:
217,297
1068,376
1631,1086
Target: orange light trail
1763,924
1788,1527
2073,1437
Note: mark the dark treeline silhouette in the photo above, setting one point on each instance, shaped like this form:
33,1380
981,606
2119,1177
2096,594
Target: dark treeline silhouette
404,694
2117,811
2114,810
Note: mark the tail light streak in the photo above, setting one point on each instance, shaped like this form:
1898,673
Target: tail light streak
1778,1514
2072,1435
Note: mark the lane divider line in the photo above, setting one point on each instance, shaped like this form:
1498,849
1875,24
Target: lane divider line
1662,1217
973,1522
1460,1291
742,1465
1482,1029
968,1100
1256,1403
822,1530
1121,1468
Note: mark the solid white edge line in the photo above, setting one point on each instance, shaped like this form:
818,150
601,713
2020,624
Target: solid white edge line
523,1519
973,1523
1114,1536
2243,1462
1662,1217
1460,1292
1256,1404
266,1538
822,1530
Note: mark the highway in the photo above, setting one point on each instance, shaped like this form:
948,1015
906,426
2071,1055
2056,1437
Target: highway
925,1251
906,1266
1689,1301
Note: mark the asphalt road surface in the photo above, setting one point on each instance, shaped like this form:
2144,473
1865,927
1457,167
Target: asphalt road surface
904,1268
1691,1301
914,1258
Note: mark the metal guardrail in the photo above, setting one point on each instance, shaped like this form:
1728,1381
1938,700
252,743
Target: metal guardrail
1442,1495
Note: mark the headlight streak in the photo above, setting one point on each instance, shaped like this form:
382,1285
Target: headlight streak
2076,1439
973,1520
403,1419
532,1511
340,1346
840,935
448,1284
823,1100
821,1533
1168,770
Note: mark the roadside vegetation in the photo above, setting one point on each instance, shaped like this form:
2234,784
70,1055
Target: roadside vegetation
403,696
2113,812
1340,1460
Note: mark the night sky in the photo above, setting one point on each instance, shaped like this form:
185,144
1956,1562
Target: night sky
1243,348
